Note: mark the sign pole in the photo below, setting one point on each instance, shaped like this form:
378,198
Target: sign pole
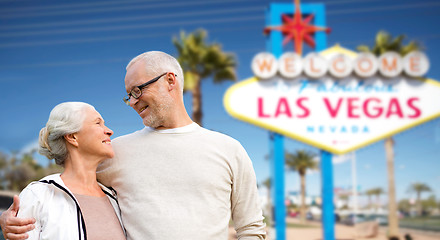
285,107
355,186
273,17
328,216
277,142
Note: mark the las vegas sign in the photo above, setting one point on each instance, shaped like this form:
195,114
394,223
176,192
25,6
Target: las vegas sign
337,100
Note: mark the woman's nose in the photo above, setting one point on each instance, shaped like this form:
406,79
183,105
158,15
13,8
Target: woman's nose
108,131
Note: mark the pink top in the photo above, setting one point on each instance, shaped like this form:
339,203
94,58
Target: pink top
100,217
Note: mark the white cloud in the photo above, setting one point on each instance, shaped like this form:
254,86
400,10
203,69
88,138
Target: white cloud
29,147
311,172
337,159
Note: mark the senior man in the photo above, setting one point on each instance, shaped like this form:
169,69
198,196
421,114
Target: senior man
174,179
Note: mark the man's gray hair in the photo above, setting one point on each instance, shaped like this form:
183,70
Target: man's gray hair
65,118
157,62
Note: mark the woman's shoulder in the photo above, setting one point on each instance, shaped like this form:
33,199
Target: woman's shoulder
41,187
35,190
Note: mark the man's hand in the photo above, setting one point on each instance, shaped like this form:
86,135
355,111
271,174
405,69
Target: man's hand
15,228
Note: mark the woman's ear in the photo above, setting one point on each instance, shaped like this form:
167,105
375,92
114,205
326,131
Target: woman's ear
71,138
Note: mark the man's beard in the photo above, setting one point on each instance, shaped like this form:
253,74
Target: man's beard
159,113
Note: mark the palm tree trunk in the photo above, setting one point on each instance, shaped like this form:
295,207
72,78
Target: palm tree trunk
197,103
393,221
419,204
378,201
303,198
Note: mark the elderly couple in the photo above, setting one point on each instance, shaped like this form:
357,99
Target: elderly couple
173,179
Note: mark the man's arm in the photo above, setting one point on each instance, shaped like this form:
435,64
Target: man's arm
15,228
245,206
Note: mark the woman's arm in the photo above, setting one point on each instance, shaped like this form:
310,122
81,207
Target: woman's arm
30,207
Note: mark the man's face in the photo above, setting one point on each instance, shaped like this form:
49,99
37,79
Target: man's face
153,106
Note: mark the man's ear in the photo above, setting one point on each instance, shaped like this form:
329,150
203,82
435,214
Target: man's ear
71,138
171,80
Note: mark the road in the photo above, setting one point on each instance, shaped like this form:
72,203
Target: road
342,232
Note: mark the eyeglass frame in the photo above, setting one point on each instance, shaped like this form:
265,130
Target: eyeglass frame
126,99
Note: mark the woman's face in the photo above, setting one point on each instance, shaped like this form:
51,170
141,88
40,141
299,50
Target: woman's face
94,137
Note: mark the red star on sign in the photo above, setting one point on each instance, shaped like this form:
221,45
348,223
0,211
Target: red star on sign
297,29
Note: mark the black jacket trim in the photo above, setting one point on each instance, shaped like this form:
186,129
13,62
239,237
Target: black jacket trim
110,195
80,217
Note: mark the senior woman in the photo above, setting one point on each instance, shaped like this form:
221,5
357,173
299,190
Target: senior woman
73,205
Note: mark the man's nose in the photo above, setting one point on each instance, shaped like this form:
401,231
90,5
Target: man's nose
133,101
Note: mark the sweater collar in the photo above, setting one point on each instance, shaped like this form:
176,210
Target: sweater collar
185,129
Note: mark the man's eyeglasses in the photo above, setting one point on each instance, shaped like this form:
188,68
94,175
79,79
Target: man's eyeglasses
136,92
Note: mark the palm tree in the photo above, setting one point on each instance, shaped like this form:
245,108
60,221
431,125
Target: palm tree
404,205
200,60
374,192
300,162
419,188
384,42
377,191
344,197
369,193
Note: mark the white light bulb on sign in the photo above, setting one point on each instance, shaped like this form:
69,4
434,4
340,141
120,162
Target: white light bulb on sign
290,65
340,66
365,65
264,65
390,64
416,64
315,65
337,115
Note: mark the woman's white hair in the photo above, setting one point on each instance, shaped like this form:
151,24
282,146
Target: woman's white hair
157,62
65,118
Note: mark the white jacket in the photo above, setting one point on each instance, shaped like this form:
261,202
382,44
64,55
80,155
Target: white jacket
57,210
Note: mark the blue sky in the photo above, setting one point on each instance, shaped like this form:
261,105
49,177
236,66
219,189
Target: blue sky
56,51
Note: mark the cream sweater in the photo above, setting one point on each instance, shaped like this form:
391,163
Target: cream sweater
183,183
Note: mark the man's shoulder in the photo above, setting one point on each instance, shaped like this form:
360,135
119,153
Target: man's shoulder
130,136
218,136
